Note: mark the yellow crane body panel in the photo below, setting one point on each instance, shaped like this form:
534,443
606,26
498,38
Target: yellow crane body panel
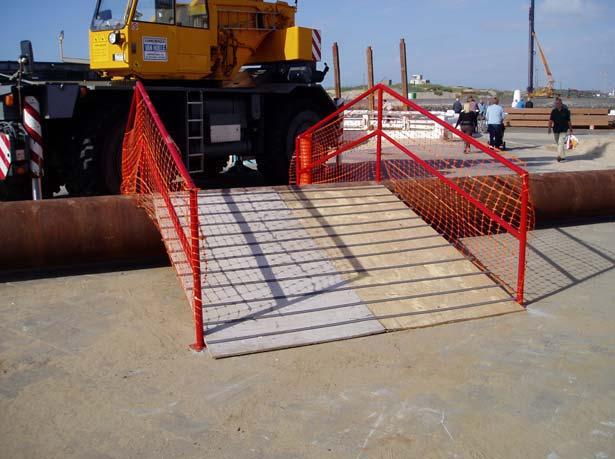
292,44
194,39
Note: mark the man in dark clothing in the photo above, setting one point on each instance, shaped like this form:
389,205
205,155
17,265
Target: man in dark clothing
529,103
457,106
561,124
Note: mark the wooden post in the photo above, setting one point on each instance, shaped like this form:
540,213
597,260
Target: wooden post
336,71
379,137
403,57
370,76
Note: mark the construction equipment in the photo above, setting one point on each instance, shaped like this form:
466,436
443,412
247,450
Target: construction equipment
547,91
228,77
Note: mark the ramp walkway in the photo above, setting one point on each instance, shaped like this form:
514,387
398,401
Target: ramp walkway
339,255
288,267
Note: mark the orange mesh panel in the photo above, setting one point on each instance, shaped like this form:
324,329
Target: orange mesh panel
469,198
153,171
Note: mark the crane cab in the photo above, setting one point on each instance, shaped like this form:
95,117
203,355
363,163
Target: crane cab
193,39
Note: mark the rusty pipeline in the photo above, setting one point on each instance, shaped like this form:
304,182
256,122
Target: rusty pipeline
112,229
557,196
76,232
553,196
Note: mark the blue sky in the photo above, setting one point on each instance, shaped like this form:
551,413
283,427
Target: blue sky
480,43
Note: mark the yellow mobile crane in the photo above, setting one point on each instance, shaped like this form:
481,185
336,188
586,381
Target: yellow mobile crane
228,77
547,91
194,39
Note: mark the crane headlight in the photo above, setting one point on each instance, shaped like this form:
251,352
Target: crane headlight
115,38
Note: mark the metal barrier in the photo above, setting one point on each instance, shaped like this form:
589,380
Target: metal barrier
153,170
477,200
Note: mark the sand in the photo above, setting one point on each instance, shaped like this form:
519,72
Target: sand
97,366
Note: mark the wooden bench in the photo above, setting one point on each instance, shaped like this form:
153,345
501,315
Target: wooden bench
539,117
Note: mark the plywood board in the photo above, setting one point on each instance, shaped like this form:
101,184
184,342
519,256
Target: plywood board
263,288
287,267
406,273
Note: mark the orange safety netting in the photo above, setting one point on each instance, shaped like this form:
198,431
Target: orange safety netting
479,201
152,170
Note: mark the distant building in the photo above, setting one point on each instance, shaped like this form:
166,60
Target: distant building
418,79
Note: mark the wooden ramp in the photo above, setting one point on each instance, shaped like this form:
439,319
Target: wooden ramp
291,267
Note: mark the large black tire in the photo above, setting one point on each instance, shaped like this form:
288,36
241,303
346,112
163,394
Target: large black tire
13,189
84,178
280,140
96,159
112,157
213,166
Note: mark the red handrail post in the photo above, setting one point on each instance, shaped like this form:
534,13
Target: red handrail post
525,191
297,159
304,157
379,138
195,264
338,158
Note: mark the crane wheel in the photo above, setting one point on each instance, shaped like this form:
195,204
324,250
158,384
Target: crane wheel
112,157
214,166
281,141
84,179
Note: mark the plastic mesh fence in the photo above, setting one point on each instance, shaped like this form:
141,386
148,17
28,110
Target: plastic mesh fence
152,170
468,197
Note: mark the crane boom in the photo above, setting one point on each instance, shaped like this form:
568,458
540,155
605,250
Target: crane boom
543,58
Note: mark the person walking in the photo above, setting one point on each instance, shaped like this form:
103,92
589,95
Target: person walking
481,125
482,107
467,120
473,104
495,123
474,108
561,124
457,107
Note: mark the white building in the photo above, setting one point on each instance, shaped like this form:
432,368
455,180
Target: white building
418,79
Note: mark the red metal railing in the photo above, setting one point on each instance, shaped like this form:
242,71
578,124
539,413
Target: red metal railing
153,170
475,200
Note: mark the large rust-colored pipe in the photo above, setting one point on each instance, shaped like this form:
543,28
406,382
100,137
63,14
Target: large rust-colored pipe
573,194
87,231
76,232
554,195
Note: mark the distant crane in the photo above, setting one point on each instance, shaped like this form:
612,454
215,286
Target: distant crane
547,91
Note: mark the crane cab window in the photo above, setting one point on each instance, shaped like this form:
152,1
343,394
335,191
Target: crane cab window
110,14
192,13
158,11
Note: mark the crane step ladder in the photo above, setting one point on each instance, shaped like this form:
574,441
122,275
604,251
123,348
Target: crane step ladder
285,267
195,131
